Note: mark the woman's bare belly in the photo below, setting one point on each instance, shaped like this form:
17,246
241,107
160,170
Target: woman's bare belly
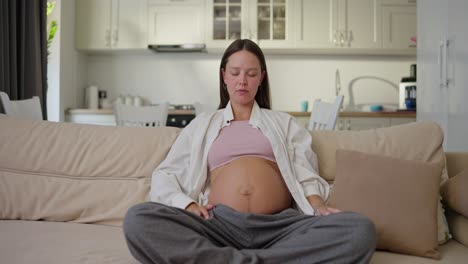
250,184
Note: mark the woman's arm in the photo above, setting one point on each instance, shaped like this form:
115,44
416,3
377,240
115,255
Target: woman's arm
171,182
315,188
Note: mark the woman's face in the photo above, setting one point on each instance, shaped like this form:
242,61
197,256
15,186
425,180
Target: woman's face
242,77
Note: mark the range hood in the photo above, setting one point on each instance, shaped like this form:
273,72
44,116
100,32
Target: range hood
178,48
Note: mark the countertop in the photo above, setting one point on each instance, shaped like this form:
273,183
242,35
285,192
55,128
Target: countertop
384,114
110,111
397,114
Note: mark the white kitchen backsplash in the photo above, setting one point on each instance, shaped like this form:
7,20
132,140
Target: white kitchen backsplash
185,78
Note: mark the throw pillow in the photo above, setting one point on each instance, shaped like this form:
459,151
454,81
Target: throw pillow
399,196
419,141
455,194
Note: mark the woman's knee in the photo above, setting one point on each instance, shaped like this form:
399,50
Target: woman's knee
364,233
136,215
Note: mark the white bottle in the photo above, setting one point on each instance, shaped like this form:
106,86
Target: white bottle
92,97
128,100
137,101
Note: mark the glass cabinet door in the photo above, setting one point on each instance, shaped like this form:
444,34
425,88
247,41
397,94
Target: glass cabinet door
227,20
271,19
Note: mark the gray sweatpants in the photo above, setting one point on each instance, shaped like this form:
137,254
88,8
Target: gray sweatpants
157,233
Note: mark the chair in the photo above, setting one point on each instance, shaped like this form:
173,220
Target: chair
26,109
324,115
141,116
198,108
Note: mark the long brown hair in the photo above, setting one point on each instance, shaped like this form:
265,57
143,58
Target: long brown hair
263,93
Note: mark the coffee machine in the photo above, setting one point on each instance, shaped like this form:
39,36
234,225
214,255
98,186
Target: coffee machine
407,93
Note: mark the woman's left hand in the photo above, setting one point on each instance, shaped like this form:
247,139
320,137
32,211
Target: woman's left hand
325,210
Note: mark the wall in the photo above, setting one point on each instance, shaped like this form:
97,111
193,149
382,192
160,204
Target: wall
66,67
187,78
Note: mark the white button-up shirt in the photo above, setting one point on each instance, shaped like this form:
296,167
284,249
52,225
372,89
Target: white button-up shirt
182,178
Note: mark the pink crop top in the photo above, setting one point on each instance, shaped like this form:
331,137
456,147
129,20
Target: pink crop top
237,140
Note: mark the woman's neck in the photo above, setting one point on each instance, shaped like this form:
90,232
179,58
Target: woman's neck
241,112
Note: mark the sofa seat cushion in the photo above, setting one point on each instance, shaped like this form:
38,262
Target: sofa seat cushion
56,242
451,252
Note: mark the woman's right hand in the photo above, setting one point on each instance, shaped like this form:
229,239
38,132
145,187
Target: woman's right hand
200,210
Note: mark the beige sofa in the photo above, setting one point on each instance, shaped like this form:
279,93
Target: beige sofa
64,189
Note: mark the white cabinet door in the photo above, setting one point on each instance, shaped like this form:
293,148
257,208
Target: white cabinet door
337,24
110,24
225,22
266,22
359,23
94,119
93,24
316,24
401,120
272,23
129,24
442,69
175,24
398,26
456,71
432,31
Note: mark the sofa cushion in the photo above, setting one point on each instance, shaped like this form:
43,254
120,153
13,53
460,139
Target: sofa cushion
53,242
455,194
399,196
450,253
418,141
76,172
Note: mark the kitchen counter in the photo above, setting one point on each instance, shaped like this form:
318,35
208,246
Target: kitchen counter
384,114
346,120
393,114
110,111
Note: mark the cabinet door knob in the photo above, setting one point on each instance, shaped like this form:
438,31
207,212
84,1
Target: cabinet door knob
348,125
107,38
342,39
335,37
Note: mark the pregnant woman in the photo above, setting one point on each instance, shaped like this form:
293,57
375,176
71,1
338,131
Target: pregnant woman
240,185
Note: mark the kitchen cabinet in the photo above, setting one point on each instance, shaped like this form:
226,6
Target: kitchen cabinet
442,66
398,24
106,117
175,22
111,24
362,120
267,22
337,24
361,123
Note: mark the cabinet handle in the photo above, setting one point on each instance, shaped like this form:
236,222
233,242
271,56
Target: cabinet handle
115,37
335,33
342,39
349,37
445,61
348,125
107,38
442,62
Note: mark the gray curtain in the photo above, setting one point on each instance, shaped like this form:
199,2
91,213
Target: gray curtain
23,49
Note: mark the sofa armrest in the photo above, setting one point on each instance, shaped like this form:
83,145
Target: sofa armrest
458,225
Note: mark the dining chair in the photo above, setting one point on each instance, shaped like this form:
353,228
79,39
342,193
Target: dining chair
26,109
325,114
141,116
